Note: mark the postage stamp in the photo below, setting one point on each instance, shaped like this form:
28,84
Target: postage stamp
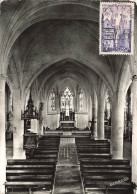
116,28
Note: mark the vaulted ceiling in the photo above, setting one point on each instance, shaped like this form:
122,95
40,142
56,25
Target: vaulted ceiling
50,40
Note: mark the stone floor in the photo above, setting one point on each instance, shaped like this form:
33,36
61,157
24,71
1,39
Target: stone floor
67,152
68,178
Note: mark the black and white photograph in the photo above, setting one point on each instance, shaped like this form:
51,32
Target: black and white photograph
68,96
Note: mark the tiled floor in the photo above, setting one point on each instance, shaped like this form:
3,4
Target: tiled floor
68,179
68,155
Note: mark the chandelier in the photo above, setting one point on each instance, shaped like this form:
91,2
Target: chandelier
30,111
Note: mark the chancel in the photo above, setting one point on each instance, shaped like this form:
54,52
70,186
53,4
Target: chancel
68,97
67,113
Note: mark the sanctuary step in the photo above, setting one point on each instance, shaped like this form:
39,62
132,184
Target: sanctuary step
100,174
35,175
74,133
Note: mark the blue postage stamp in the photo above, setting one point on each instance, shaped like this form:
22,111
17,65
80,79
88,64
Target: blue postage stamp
116,28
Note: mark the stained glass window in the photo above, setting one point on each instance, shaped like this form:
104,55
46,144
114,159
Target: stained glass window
52,99
81,96
67,99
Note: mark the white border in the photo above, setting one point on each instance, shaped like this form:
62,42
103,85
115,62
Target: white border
132,30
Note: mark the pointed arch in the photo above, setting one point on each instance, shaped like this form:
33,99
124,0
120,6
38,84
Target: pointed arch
67,99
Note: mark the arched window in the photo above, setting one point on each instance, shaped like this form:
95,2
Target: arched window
67,99
52,100
11,103
81,99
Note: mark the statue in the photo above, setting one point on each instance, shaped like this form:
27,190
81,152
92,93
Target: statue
67,111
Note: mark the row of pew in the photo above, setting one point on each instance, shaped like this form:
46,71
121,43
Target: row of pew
35,175
101,174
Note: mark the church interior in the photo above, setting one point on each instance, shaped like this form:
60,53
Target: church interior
68,115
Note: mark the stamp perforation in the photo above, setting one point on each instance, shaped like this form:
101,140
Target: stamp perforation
132,6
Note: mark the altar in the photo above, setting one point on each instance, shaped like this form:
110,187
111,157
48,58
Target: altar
67,124
67,121
67,112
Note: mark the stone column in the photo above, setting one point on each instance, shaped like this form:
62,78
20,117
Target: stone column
18,104
2,137
100,121
41,121
57,102
94,115
134,131
39,128
45,112
125,120
129,108
89,111
117,129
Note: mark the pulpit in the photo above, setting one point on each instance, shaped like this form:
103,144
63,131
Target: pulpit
30,143
30,139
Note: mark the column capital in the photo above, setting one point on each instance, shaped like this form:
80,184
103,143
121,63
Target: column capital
134,78
118,97
3,76
134,85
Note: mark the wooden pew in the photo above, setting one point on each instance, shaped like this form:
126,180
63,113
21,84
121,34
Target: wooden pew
99,171
35,174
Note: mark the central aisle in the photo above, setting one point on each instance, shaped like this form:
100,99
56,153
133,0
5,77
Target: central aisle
67,178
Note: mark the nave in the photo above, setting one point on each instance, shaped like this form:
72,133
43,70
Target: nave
69,165
55,84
